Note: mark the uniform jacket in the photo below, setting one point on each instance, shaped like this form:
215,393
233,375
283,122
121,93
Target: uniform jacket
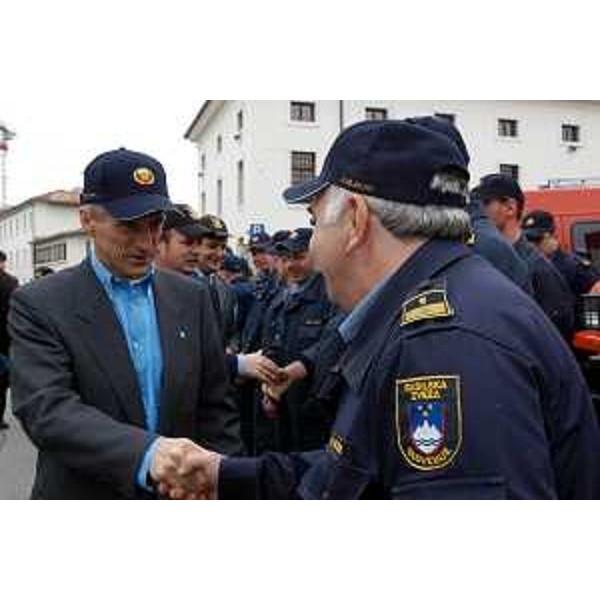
75,388
456,386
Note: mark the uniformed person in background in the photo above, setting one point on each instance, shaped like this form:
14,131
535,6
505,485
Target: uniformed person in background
294,322
455,384
180,240
484,238
211,252
579,272
504,204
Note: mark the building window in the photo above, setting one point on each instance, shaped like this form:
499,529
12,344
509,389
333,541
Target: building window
303,166
447,117
240,183
50,254
203,203
203,163
302,111
376,114
219,144
240,121
219,197
508,128
571,134
510,170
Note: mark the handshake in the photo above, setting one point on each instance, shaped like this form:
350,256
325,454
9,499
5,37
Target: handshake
181,470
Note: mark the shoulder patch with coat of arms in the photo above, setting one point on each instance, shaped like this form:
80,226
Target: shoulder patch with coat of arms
429,420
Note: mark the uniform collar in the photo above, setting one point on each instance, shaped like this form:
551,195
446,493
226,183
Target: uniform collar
424,265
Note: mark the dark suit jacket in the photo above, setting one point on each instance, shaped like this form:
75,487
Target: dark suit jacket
75,388
8,284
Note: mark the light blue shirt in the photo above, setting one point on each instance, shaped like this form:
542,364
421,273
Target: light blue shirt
350,326
134,305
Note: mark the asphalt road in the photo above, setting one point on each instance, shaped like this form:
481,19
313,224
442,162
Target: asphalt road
17,461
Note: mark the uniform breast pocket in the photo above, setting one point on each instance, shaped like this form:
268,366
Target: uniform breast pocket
311,329
459,488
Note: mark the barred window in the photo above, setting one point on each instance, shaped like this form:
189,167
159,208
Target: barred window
510,170
508,128
240,121
376,114
219,197
50,254
303,166
219,143
571,134
302,111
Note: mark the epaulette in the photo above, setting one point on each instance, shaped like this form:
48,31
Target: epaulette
427,304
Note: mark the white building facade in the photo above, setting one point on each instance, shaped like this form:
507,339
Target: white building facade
28,234
249,151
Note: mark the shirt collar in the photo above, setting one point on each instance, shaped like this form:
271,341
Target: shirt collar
350,326
108,279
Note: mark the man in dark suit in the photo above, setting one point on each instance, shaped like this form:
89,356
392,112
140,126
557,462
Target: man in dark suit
8,284
116,367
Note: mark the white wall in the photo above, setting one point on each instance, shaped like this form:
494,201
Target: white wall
269,137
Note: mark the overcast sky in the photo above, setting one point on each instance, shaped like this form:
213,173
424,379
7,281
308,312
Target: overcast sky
79,78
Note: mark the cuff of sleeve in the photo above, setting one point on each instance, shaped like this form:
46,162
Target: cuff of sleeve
142,474
238,479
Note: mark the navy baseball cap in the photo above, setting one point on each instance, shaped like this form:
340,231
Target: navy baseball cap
498,186
260,241
128,185
232,263
181,217
213,227
445,127
537,223
298,241
398,161
276,239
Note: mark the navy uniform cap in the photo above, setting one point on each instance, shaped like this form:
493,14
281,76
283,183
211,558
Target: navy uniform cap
214,227
260,240
400,161
181,218
497,186
298,241
537,223
128,185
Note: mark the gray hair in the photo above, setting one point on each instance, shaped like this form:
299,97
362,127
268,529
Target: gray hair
405,219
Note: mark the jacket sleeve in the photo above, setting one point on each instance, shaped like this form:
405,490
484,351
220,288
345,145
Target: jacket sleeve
218,424
273,476
46,401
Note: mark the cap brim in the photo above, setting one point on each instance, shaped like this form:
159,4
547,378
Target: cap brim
136,207
533,234
193,230
291,247
303,193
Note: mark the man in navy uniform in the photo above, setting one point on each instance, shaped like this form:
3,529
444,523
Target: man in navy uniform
581,275
453,383
504,203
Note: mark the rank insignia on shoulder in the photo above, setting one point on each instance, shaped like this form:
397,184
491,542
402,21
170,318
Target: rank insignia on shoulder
429,420
336,444
430,304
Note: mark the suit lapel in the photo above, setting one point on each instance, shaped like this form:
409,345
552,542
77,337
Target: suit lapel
105,338
176,339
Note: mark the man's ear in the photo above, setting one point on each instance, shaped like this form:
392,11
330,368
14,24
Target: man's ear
358,215
87,221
